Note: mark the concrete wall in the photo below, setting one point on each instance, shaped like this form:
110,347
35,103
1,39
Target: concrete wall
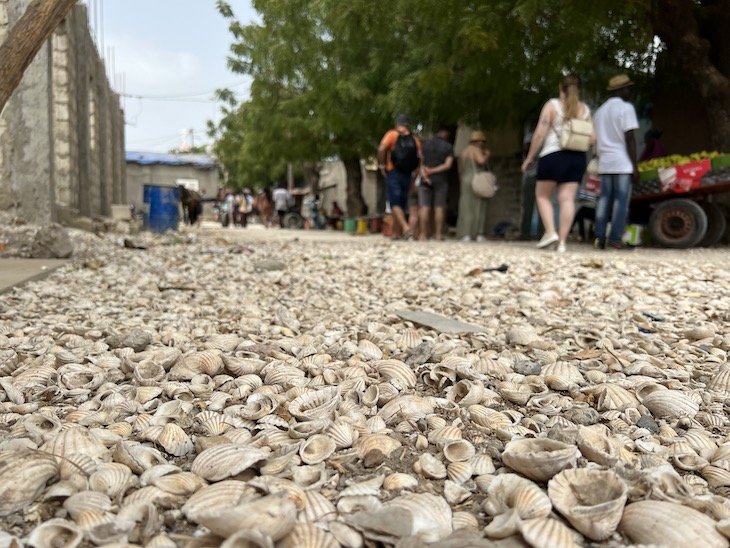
62,132
165,175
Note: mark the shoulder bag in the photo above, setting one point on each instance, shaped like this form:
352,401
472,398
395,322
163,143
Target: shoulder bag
484,184
575,133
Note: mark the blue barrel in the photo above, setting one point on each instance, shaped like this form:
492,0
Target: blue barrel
162,207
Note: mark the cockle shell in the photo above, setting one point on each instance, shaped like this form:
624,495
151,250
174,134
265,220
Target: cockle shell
548,532
174,440
669,524
376,442
272,515
445,434
561,376
597,445
56,532
224,461
460,472
399,480
307,535
466,392
224,494
23,476
343,434
489,418
409,407
137,456
317,404
464,520
396,372
182,483
73,440
208,362
429,467
317,448
458,451
482,464
87,501
112,479
539,459
591,500
670,404
510,492
317,508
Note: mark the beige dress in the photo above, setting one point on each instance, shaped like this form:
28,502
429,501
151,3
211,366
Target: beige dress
472,208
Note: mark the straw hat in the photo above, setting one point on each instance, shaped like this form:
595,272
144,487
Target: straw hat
618,82
477,136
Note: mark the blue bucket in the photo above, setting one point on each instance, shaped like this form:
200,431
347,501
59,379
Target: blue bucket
162,205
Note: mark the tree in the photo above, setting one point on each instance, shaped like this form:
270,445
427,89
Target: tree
25,39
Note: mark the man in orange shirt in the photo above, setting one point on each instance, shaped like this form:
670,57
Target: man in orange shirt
399,157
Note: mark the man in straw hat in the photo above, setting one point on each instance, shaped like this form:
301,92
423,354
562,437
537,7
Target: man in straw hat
615,122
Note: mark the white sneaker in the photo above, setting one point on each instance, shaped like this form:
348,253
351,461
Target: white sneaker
466,239
561,247
547,240
481,238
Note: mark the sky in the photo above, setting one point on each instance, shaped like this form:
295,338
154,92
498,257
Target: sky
170,55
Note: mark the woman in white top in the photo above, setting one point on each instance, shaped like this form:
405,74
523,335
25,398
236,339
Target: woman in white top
557,168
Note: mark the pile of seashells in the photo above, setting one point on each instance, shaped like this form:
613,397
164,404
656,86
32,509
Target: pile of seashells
185,396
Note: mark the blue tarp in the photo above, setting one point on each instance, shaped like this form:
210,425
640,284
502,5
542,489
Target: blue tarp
149,158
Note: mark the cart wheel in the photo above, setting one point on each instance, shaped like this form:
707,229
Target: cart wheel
679,223
716,224
293,220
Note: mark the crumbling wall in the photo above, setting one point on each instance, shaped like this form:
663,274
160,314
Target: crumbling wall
62,132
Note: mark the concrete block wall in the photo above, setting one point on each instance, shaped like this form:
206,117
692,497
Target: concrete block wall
74,156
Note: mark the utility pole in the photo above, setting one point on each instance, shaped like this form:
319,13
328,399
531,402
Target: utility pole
289,176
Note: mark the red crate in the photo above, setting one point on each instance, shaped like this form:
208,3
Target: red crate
685,177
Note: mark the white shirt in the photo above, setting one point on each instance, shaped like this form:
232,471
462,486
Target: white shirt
612,120
552,142
281,199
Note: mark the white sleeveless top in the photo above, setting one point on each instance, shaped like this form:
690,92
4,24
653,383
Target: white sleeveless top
552,143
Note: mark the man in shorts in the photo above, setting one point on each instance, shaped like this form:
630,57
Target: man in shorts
438,157
399,157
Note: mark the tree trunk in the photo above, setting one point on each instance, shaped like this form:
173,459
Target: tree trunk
676,23
355,202
25,39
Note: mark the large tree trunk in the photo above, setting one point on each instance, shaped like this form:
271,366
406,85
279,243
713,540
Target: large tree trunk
676,23
25,39
355,202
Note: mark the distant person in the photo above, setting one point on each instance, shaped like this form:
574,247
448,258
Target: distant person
438,157
616,147
653,147
558,169
263,205
336,215
399,157
281,199
472,208
529,181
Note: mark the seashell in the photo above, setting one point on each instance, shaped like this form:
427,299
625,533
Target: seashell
148,373
87,501
596,445
345,535
23,477
311,477
562,375
668,524
246,539
715,476
466,392
700,442
458,451
317,404
670,404
410,408
307,535
540,532
720,383
489,418
399,480
56,532
272,515
182,483
317,508
208,362
136,456
459,472
591,500
464,520
612,396
482,464
445,434
376,442
396,372
316,449
112,479
455,493
523,335
256,407
429,467
510,492
369,350
224,461
225,494
73,440
367,487
539,459
163,541
343,434
288,376
212,424
174,440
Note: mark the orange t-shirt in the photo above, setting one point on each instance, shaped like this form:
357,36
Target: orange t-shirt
388,141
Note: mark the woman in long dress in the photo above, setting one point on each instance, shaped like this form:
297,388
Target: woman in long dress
472,208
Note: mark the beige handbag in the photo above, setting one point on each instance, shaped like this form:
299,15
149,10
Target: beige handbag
484,184
576,135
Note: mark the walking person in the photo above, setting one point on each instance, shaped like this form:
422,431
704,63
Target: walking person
399,156
472,208
529,181
616,123
558,169
438,157
281,199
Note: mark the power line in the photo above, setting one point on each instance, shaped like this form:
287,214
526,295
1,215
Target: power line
181,95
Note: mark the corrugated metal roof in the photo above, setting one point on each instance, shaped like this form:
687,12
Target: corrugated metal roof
202,161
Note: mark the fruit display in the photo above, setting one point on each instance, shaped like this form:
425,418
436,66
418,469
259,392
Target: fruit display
677,160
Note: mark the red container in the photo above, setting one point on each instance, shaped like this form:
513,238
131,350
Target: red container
387,226
376,225
685,177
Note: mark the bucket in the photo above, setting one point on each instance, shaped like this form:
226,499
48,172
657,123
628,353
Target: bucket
162,207
362,225
376,224
350,226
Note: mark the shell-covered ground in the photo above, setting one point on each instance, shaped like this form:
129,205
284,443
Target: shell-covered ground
258,388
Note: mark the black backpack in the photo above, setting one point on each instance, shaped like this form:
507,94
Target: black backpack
405,153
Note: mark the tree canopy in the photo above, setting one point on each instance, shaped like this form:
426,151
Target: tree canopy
328,77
